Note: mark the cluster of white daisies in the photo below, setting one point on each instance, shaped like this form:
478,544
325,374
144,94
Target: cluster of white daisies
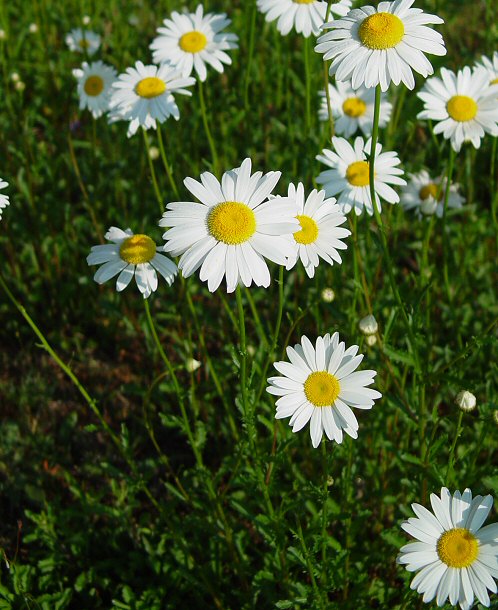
145,94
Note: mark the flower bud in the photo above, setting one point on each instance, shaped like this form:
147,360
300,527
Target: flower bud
154,153
192,365
20,86
33,28
14,77
368,325
3,34
466,400
328,295
86,20
371,340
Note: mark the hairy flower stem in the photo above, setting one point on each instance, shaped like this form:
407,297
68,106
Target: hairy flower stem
451,458
159,197
446,252
167,166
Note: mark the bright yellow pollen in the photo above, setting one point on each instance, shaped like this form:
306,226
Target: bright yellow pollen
84,44
458,548
461,108
354,107
357,173
303,1
231,222
193,42
430,190
137,249
94,85
381,31
150,87
308,232
494,81
321,389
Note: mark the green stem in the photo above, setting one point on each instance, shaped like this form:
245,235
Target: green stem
492,183
451,457
383,238
307,70
243,364
307,557
212,146
449,175
326,66
153,172
250,54
166,164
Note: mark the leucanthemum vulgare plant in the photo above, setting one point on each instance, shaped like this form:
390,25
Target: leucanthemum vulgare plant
216,438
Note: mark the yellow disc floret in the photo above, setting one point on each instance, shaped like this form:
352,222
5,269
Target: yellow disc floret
430,190
83,43
357,173
150,87
137,249
458,548
94,85
193,42
354,107
304,1
494,81
321,389
308,232
231,222
461,108
381,31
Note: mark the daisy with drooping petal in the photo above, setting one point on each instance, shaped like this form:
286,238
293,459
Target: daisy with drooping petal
374,46
319,385
190,41
425,196
94,86
349,175
131,255
457,558
464,104
143,94
320,234
4,199
353,110
234,228
491,65
306,16
83,40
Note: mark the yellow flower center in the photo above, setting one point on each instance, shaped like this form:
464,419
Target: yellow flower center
357,173
354,107
303,1
308,232
94,85
461,108
137,249
193,42
458,548
381,31
430,190
321,389
84,44
494,81
150,87
231,222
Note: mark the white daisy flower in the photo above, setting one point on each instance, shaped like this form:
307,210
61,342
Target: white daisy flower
319,385
464,104
233,229
306,16
143,95
131,255
190,41
372,46
457,558
83,40
349,175
94,86
353,109
320,235
4,199
425,196
491,65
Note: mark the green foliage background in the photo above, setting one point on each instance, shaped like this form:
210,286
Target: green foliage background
85,524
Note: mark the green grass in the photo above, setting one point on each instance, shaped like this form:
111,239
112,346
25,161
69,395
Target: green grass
127,511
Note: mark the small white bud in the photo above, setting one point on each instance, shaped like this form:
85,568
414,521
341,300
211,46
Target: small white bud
251,350
3,34
428,206
20,86
495,415
368,325
192,365
33,28
328,295
371,340
86,20
466,400
154,153
14,77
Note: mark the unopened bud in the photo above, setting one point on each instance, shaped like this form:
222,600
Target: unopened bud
20,86
33,28
86,20
154,153
192,365
3,34
328,295
466,400
368,325
14,77
371,340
